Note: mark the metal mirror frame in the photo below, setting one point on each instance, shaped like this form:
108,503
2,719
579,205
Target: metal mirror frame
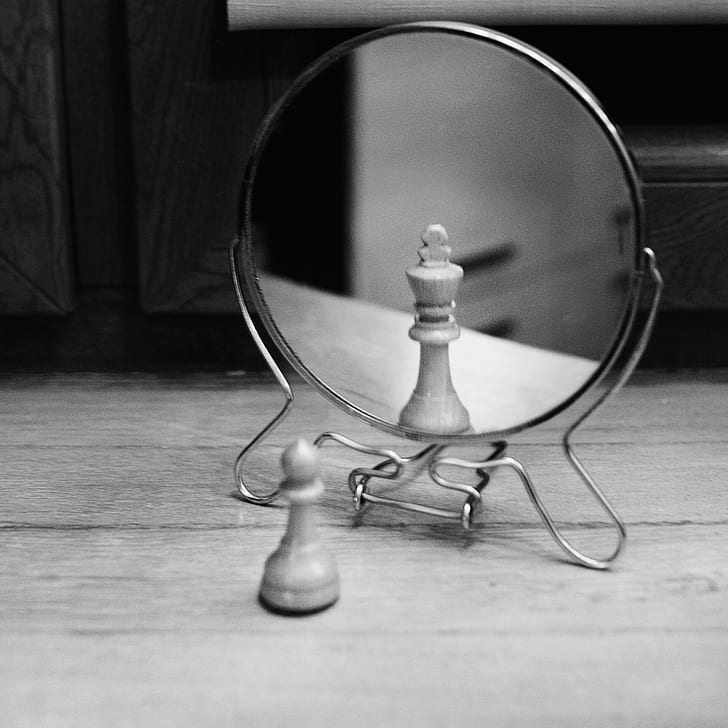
251,299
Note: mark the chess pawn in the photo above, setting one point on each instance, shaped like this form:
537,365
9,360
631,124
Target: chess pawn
300,575
434,405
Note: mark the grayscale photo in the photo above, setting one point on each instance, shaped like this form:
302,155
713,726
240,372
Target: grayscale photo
363,364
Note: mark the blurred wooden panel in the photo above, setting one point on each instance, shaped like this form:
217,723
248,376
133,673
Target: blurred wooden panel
191,129
687,225
197,96
94,45
685,170
36,273
196,100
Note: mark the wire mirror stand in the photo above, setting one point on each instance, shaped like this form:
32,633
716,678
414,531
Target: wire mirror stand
393,467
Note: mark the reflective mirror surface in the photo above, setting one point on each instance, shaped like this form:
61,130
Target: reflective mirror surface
517,163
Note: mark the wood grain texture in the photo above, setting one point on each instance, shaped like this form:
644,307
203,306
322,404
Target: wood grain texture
227,409
316,13
129,573
191,129
36,273
96,86
197,96
688,227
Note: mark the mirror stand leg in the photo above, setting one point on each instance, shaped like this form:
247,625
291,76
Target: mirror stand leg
245,493
515,465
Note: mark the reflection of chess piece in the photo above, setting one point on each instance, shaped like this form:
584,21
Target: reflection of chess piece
434,405
300,575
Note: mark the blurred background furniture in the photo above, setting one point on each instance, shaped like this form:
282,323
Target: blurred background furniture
126,129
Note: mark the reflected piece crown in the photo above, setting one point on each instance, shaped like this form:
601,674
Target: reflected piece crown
435,252
435,280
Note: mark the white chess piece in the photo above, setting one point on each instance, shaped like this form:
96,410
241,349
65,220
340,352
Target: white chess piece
434,405
300,575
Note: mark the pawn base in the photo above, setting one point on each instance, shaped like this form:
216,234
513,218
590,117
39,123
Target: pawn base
287,601
299,581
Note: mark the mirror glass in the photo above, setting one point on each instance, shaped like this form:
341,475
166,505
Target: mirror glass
420,128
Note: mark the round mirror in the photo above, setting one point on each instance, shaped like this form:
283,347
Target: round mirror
532,212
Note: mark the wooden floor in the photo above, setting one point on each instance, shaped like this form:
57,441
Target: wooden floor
129,570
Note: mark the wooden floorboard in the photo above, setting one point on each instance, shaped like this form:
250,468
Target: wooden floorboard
129,570
194,487
221,409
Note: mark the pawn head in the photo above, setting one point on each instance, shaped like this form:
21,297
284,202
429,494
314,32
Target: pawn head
300,461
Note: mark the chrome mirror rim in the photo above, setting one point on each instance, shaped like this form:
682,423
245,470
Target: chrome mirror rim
253,294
